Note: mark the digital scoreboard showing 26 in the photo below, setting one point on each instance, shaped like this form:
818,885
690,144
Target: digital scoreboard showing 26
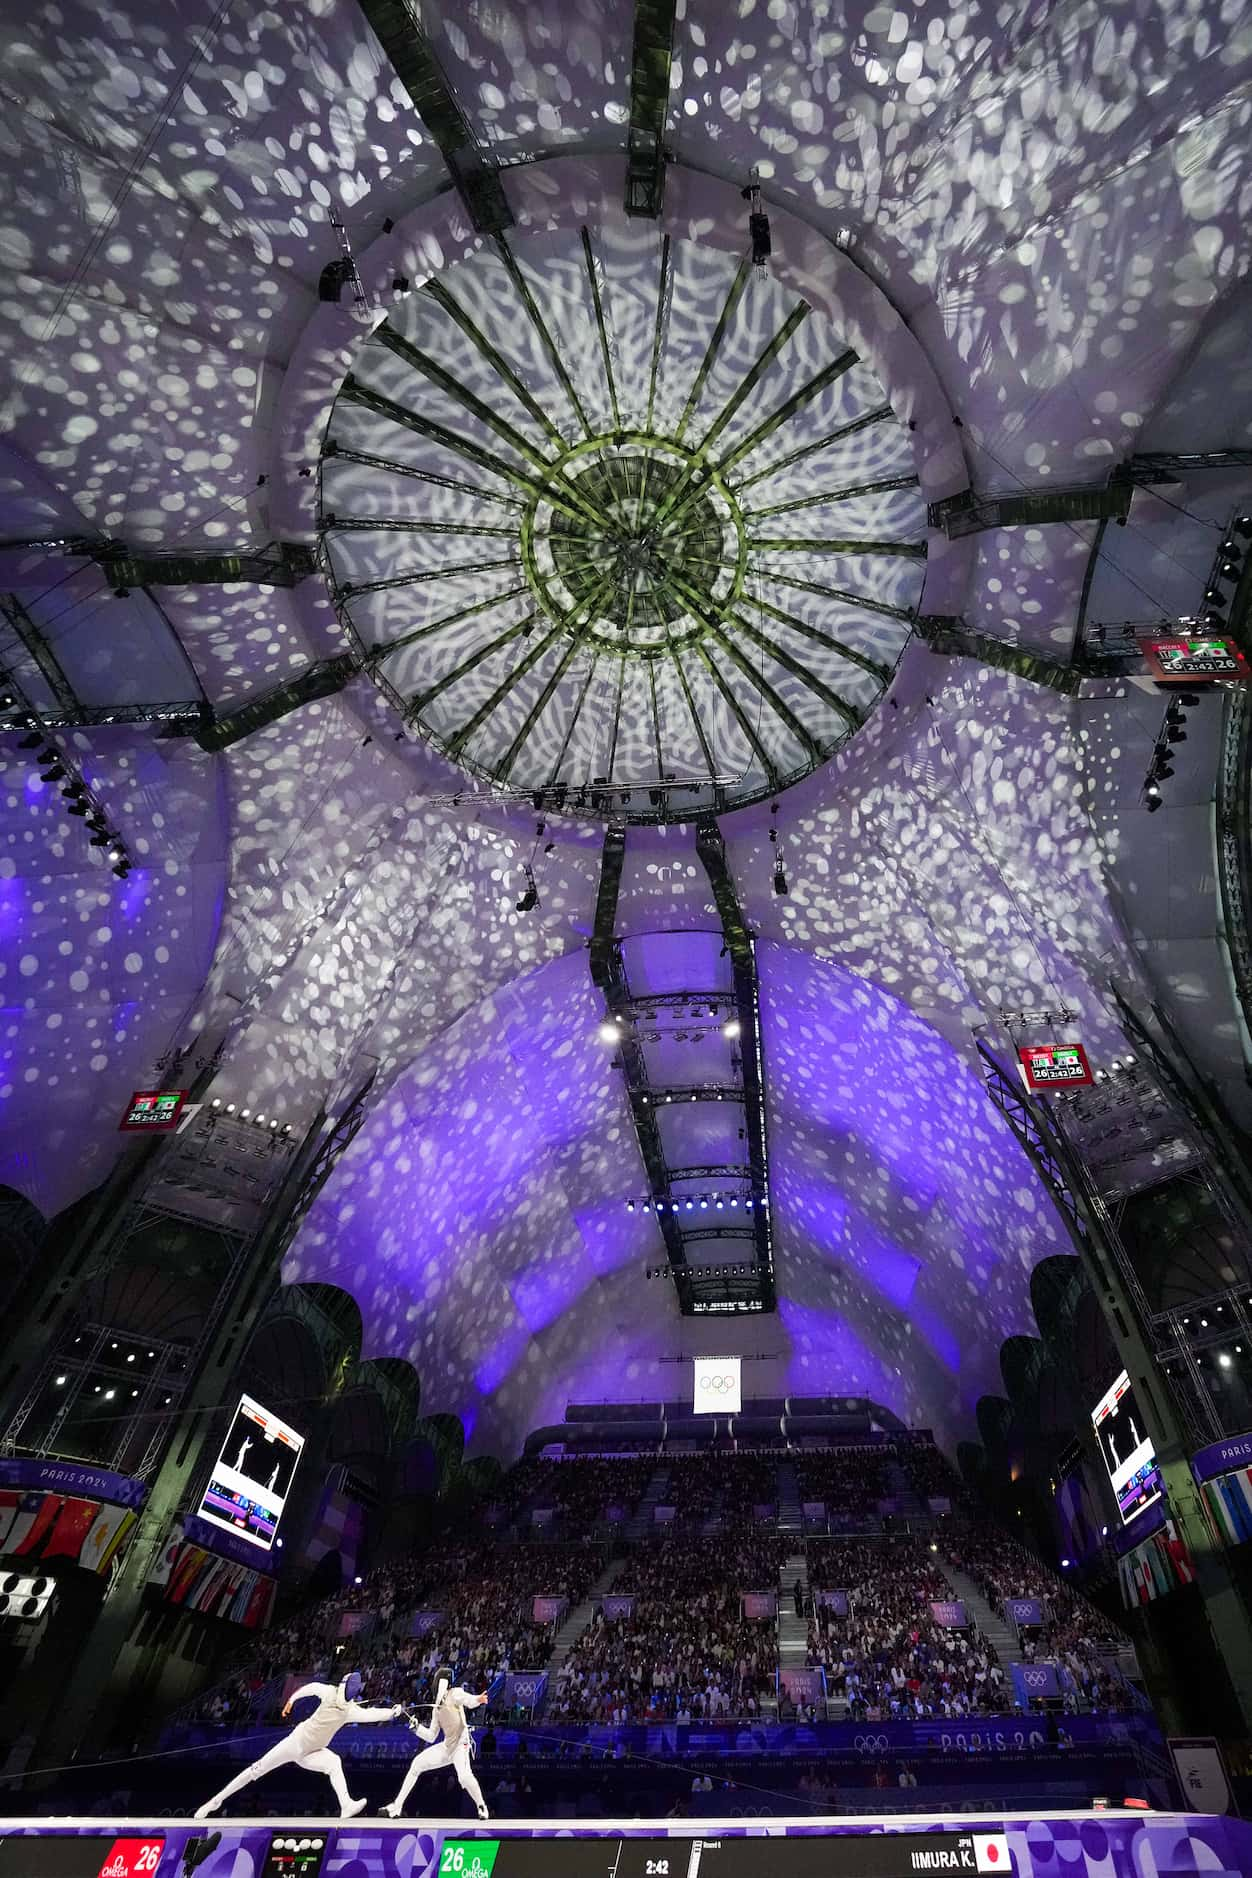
80,1855
818,1855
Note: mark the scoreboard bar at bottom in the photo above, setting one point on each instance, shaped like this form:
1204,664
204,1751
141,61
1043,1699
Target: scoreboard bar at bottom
868,1855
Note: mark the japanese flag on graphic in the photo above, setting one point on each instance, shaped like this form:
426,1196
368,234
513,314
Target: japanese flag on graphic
991,1851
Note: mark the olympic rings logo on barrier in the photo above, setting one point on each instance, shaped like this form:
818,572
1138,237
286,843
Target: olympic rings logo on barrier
870,1744
1035,1678
719,1384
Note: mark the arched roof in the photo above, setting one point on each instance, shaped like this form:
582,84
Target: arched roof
1033,233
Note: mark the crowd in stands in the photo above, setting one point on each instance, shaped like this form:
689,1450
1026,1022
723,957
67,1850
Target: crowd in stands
1074,1633
685,1651
484,1595
889,1658
849,1480
928,1472
577,1492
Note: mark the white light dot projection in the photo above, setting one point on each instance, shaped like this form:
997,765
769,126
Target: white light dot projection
1042,225
97,974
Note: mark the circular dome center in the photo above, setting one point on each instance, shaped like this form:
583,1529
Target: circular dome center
637,543
609,517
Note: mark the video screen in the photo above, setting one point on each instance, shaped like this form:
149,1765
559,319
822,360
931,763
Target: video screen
1128,1453
252,1476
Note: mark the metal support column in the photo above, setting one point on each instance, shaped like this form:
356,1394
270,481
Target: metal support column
1086,1217
90,1698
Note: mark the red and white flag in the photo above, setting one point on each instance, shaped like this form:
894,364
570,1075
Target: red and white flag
991,1851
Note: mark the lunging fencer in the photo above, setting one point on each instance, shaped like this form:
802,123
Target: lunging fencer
308,1744
457,1746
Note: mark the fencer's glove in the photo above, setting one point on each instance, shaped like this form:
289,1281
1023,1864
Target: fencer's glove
397,1711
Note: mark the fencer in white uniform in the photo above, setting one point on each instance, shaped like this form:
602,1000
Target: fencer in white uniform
457,1746
308,1744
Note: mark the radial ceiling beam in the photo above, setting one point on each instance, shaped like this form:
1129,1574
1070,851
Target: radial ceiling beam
823,544
866,420
742,950
650,61
879,672
408,47
789,408
824,496
368,460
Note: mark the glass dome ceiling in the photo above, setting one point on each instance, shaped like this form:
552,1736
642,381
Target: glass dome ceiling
616,518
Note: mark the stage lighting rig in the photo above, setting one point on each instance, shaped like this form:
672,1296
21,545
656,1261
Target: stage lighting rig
758,224
530,898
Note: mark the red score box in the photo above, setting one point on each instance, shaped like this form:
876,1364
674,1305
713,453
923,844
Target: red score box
132,1858
1054,1066
1193,659
153,1111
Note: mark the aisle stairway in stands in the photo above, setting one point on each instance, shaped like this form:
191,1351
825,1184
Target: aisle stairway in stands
642,1524
1001,1635
577,1620
793,1631
908,1501
790,1511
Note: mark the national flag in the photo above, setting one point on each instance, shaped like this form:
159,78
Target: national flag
991,1851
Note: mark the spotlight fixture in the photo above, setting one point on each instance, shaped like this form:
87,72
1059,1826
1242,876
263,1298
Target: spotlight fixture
31,741
780,880
731,1028
53,773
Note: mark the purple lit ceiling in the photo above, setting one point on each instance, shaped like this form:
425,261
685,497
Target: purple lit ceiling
1034,234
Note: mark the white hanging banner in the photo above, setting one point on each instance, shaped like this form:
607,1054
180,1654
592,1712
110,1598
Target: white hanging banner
717,1385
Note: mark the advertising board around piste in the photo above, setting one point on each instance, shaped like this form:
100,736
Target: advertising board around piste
1108,1845
853,1855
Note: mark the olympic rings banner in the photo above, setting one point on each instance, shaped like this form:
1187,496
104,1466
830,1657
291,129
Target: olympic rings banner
760,1604
717,1385
1034,1682
1024,1610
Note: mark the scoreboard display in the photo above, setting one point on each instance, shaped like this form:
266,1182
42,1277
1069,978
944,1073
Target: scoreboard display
75,1855
848,1855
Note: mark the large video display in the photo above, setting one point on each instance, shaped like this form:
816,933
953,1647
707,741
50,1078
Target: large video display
252,1476
1128,1452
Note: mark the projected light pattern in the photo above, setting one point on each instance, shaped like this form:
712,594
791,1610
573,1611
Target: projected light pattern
478,1220
609,509
1055,217
96,973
